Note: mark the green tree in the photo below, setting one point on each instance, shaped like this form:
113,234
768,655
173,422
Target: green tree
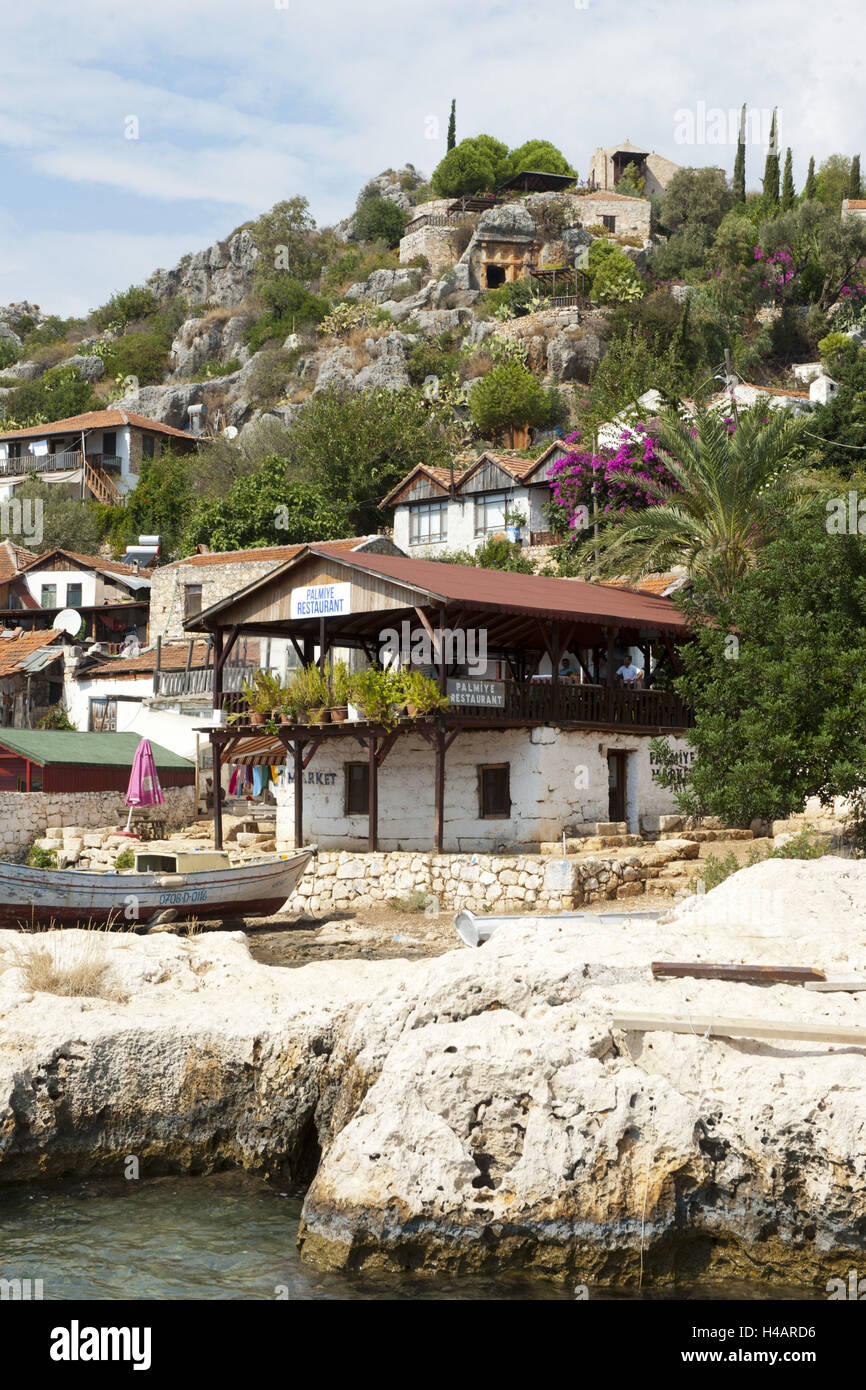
160,505
720,508
789,196
739,181
540,156
837,430
777,677
68,523
832,180
508,396
288,305
632,184
126,307
696,196
378,219
854,178
809,190
56,395
355,448
286,242
614,277
452,125
771,168
825,249
475,165
267,508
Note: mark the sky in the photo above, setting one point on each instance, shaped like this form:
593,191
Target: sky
131,134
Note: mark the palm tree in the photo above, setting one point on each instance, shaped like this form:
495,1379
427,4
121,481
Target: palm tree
728,476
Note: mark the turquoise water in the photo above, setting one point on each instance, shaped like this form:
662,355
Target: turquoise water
226,1237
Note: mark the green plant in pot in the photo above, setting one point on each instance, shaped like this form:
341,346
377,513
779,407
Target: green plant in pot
310,695
422,695
339,681
377,694
264,694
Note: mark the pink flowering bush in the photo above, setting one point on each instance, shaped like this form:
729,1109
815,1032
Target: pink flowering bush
626,479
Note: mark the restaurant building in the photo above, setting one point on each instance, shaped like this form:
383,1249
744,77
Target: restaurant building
540,738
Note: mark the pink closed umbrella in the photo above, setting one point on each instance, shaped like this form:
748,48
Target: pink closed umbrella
144,788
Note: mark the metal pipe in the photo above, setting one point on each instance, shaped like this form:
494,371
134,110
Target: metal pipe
475,930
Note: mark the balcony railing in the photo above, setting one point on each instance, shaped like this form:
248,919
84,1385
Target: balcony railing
199,680
540,702
56,463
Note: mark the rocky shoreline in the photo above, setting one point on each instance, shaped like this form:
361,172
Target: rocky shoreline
478,1111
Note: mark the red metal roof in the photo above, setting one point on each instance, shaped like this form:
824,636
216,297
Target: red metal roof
278,554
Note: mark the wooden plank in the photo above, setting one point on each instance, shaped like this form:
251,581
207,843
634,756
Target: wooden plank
850,984
638,1021
746,974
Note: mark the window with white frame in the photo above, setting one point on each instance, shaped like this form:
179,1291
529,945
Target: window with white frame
428,521
490,512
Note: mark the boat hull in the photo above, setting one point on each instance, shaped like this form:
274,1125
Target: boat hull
40,897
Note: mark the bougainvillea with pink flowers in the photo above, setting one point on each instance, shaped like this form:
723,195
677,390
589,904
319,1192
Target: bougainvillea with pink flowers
586,483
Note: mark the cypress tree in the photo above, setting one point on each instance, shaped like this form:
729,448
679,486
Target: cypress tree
771,169
854,178
809,185
788,194
740,161
452,125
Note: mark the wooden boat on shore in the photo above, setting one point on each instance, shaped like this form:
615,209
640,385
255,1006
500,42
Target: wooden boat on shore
162,887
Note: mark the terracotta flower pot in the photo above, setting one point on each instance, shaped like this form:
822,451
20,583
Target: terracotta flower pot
320,716
339,714
256,717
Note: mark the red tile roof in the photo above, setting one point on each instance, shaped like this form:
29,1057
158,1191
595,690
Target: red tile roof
95,420
96,562
173,657
14,649
277,554
496,590
13,559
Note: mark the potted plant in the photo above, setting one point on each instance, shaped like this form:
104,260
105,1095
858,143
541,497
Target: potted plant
339,679
309,694
377,694
422,695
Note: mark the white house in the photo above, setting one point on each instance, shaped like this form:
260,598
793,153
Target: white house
99,452
436,512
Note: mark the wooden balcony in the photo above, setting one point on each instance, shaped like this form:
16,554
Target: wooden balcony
540,702
97,479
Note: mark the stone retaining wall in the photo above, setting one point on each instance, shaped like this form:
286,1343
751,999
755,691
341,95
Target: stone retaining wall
526,882
26,816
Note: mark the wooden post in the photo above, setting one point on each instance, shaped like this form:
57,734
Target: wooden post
322,643
156,668
443,674
373,789
188,665
197,760
298,751
216,744
609,633
217,669
555,655
439,792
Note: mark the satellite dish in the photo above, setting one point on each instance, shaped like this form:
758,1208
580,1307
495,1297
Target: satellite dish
67,621
230,432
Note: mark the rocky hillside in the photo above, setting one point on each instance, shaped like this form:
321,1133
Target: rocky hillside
220,318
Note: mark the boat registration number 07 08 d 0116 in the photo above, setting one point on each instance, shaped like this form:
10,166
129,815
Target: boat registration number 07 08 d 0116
190,896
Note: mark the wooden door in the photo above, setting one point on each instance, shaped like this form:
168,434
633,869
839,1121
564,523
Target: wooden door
616,784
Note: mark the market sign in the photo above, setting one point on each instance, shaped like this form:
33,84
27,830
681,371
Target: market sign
466,691
321,601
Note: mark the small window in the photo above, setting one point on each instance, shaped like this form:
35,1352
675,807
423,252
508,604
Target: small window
103,716
609,223
74,594
490,512
494,791
428,521
49,595
191,600
147,446
357,797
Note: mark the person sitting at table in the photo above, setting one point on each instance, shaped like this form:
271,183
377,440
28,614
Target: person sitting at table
629,673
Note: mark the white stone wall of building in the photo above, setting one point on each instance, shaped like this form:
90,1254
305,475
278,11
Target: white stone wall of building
558,782
25,816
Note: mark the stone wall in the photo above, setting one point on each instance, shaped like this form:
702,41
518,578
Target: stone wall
479,882
26,816
632,214
438,244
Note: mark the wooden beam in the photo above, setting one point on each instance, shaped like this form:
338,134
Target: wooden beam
744,974
373,793
216,744
217,670
439,792
298,752
636,1021
157,666
315,745
387,744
